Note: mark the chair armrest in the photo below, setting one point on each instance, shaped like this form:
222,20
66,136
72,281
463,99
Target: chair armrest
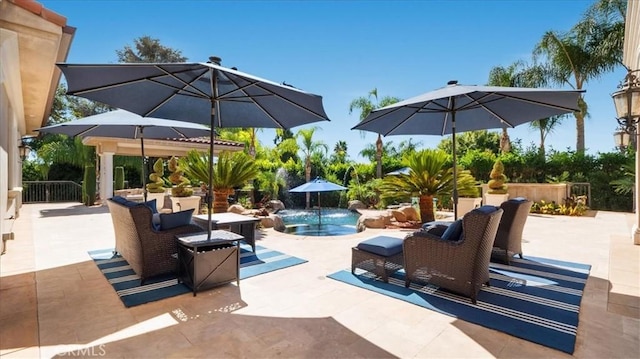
437,229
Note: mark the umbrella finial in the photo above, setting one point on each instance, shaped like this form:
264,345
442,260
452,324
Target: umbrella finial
452,82
215,60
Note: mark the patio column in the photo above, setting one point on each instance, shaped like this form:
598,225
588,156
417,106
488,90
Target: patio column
106,176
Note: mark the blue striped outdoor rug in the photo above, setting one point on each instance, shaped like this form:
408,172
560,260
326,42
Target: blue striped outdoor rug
127,284
535,299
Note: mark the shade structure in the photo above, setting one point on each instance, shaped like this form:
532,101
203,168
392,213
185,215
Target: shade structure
205,93
318,185
460,108
125,124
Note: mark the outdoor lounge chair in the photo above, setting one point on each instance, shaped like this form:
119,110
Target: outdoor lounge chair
456,262
149,251
509,235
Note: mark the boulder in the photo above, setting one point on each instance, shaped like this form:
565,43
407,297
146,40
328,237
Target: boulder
275,205
260,212
273,221
399,215
372,221
410,212
355,205
237,209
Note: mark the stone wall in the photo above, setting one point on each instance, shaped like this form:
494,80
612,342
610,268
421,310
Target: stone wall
536,192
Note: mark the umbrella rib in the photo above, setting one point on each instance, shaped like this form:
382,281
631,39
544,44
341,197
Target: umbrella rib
197,94
81,133
477,102
545,104
185,83
377,114
257,84
150,79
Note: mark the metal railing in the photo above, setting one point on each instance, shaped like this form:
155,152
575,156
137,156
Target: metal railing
576,189
51,191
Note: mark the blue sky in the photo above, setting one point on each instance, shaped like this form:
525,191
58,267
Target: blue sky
343,49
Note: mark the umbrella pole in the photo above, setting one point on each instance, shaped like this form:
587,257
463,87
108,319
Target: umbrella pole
455,165
319,212
144,165
215,113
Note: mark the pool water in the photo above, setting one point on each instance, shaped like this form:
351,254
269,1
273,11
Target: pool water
335,222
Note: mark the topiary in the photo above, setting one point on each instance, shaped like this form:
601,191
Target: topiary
157,182
119,178
182,184
89,185
496,183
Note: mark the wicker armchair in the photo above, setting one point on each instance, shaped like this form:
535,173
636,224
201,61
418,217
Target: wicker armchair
148,251
509,236
462,265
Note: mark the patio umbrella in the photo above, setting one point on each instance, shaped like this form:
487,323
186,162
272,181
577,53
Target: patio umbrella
124,124
460,108
318,185
204,93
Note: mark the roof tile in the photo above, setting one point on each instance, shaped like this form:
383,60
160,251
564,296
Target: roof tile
37,8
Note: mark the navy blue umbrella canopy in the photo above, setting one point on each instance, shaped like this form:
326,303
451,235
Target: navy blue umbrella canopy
125,124
460,108
318,185
187,92
205,93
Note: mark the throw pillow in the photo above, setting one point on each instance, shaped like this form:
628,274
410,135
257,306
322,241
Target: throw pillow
119,199
152,205
175,219
454,231
155,219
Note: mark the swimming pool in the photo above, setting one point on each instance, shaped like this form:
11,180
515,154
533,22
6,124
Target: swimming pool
335,222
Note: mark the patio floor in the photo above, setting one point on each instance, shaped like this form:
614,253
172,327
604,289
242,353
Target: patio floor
53,300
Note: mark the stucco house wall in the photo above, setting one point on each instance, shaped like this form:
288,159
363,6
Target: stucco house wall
32,40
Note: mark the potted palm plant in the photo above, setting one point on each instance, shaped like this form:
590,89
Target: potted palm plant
182,197
229,172
497,192
430,174
468,193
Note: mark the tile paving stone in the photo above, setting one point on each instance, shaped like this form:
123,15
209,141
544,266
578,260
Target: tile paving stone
52,293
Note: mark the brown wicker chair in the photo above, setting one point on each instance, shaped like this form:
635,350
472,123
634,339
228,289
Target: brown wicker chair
148,251
460,266
509,236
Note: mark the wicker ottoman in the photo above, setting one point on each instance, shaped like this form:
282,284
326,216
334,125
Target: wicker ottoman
379,255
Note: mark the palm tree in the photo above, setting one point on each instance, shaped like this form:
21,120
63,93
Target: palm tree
229,172
592,48
508,77
430,174
309,147
64,150
366,106
545,126
340,151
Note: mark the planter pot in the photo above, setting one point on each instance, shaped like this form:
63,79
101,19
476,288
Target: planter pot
495,199
183,203
467,204
221,200
159,197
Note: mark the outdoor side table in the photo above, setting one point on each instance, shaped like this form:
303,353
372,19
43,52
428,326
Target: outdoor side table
205,263
237,223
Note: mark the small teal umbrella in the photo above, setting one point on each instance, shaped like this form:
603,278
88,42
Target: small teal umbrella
318,185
